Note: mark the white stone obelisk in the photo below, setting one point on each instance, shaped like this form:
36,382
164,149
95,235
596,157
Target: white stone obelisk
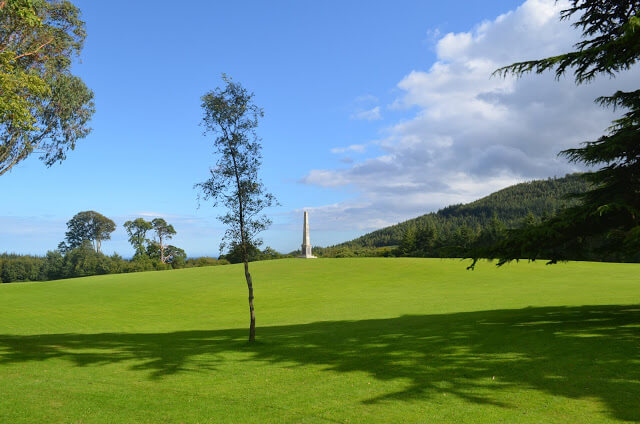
306,243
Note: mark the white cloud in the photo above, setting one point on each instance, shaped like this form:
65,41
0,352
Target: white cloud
472,133
359,148
147,214
366,98
372,114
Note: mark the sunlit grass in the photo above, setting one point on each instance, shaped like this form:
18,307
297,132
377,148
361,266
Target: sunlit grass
339,340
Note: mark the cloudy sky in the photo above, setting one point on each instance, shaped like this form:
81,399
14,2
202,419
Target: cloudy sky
374,113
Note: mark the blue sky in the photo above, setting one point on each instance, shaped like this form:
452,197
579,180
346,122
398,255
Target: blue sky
374,112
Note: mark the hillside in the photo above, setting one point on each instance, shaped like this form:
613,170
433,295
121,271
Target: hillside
510,206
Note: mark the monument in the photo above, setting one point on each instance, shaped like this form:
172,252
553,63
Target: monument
306,244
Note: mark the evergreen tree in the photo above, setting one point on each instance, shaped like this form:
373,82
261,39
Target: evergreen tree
425,240
408,244
608,216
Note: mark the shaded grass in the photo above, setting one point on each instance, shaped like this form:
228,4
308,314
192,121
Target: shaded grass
522,364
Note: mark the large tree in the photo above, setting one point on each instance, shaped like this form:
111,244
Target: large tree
163,232
137,231
87,226
231,115
43,107
607,218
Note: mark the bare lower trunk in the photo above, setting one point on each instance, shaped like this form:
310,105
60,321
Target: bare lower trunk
161,250
252,326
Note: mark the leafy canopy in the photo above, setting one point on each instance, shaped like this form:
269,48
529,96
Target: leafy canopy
163,231
87,226
137,231
43,107
229,113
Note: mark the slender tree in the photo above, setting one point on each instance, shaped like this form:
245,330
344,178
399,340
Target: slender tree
137,230
163,232
43,107
231,115
607,217
87,226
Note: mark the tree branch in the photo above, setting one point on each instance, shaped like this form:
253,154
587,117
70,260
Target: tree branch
35,51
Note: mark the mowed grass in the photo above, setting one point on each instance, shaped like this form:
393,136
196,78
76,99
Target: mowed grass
339,340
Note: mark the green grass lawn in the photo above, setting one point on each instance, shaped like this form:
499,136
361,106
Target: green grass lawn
339,340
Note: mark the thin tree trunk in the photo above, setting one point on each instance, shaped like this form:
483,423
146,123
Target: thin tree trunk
245,252
252,326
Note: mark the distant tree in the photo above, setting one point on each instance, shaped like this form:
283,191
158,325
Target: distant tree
230,114
494,233
163,232
269,253
53,268
43,107
460,242
137,230
175,256
205,261
84,260
530,220
88,226
608,215
236,253
408,243
425,239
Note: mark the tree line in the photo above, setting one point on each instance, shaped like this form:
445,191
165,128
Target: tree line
80,255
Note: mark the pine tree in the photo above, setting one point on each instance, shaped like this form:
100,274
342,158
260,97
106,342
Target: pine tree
608,215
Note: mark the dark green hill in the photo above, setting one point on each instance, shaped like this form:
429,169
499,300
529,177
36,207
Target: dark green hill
511,206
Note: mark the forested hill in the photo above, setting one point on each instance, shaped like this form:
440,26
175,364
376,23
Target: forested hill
511,206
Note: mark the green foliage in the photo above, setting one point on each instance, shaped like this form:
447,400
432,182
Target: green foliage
236,254
456,230
84,261
204,261
231,115
20,268
43,107
612,42
137,231
171,255
408,244
605,223
163,232
352,252
80,255
87,226
154,254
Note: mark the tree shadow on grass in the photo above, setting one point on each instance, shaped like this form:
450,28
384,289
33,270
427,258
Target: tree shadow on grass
574,352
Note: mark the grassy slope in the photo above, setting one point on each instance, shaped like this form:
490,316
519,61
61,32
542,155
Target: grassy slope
341,340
